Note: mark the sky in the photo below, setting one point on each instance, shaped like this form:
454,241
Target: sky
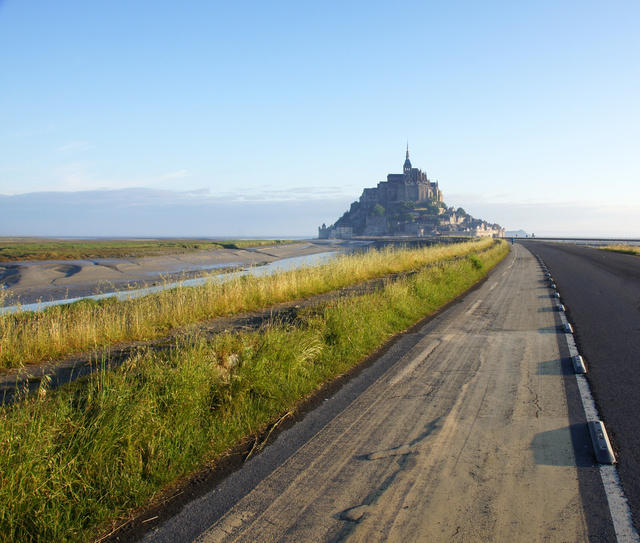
267,119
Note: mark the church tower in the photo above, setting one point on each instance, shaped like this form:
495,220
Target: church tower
406,169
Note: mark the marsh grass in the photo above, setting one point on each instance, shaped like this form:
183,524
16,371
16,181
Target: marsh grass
622,248
75,458
29,337
12,249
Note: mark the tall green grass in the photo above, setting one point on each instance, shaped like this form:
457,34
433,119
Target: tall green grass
30,337
74,458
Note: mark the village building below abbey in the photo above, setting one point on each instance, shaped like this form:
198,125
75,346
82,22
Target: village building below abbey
406,204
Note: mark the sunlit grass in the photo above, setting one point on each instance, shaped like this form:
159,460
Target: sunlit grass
73,458
28,337
623,248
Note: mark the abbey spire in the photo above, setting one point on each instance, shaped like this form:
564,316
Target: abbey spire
406,205
407,163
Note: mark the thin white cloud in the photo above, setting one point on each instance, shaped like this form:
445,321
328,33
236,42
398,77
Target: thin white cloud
180,174
196,192
151,212
154,212
77,176
33,132
72,147
551,217
73,177
290,194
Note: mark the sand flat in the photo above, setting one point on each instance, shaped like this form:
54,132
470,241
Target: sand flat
34,281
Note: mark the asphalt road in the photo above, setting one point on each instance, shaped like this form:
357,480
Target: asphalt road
601,291
469,428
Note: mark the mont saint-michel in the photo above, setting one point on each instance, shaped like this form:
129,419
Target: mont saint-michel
406,204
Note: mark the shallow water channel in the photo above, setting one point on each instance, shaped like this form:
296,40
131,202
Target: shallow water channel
285,264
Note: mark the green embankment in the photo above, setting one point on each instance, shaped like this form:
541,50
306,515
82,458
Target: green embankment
31,337
75,458
12,249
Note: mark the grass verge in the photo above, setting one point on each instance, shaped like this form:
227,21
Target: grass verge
74,458
30,337
622,248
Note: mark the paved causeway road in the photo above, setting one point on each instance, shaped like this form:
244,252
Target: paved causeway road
469,428
601,291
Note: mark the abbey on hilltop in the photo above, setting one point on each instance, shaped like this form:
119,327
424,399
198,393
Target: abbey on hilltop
406,204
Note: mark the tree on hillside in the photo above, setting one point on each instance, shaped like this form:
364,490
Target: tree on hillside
407,217
432,209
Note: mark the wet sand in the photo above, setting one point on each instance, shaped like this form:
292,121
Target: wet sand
43,281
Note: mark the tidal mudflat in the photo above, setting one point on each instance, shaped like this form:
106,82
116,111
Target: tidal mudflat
28,282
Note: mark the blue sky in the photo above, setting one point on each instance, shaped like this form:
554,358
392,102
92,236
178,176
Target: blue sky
207,118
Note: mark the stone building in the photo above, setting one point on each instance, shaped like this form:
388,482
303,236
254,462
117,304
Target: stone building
412,185
406,204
